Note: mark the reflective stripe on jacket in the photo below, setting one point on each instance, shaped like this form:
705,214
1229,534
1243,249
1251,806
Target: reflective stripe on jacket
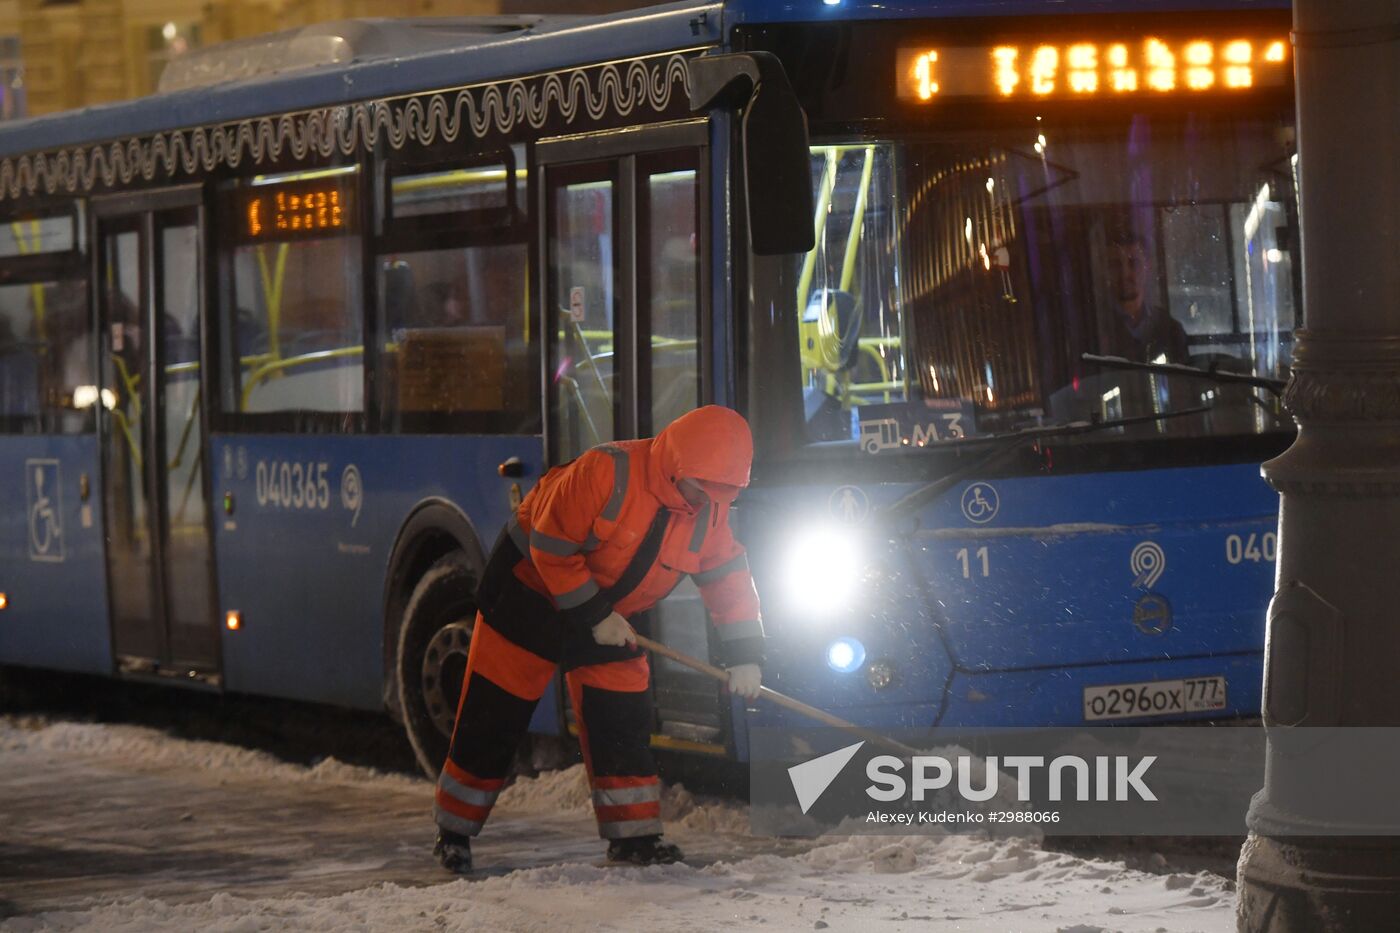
584,522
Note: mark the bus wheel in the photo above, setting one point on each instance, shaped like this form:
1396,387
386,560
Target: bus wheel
432,657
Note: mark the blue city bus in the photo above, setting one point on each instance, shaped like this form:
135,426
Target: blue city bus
283,345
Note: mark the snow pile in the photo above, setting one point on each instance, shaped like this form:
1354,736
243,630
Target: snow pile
679,807
153,748
564,792
951,882
914,883
567,791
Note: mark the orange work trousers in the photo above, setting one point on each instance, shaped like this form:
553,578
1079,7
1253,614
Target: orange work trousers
509,666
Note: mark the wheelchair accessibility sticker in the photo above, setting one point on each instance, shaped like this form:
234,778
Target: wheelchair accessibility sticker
980,503
44,487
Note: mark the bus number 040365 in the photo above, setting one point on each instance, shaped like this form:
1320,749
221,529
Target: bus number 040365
286,485
1254,548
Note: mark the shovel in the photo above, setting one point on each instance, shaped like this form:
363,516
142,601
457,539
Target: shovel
783,700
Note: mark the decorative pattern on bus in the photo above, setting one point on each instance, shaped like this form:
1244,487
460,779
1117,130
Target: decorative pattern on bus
597,91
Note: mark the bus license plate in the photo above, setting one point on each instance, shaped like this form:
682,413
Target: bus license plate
1154,698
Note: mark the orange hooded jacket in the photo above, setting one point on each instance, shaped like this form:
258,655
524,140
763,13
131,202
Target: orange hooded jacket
585,523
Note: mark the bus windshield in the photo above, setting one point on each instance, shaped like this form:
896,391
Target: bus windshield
958,279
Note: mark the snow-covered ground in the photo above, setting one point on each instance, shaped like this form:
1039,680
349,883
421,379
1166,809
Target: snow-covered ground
121,828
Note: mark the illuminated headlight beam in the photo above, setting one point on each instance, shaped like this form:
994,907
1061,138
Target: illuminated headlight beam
820,570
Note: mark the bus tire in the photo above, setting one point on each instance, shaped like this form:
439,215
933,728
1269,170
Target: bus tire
432,656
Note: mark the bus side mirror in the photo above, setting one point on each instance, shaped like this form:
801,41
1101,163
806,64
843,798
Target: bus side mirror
777,161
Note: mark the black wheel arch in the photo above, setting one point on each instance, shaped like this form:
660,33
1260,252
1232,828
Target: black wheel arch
436,527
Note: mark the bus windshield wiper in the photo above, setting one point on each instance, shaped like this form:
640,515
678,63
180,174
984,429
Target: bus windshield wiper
1212,373
1003,444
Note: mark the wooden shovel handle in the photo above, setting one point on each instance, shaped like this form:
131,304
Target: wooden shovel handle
782,699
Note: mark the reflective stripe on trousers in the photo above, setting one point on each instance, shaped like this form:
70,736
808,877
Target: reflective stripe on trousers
462,800
614,724
627,806
502,686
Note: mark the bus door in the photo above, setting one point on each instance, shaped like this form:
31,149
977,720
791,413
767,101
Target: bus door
625,281
150,298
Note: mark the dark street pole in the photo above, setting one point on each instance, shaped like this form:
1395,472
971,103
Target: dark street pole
1333,654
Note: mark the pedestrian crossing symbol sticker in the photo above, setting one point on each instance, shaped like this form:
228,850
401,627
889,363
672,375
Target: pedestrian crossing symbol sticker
849,505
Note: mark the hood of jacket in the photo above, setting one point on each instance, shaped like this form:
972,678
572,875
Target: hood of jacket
712,445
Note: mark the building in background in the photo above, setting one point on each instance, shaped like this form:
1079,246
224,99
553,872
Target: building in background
62,54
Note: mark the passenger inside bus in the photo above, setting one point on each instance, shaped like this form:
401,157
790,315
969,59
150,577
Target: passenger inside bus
454,324
45,358
19,368
297,341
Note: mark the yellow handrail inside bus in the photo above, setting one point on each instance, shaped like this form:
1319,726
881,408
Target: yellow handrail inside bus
658,341
272,282
278,366
821,339
809,262
871,347
875,388
36,290
573,385
189,488
588,355
120,420
185,434
131,383
853,238
450,178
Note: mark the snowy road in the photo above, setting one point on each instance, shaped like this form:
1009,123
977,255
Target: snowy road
121,828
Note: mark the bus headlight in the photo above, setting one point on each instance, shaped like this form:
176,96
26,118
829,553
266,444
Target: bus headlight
820,571
845,655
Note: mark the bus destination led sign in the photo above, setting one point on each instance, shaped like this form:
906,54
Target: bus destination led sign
1148,66
294,211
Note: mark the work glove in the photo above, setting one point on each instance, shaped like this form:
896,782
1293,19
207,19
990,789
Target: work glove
745,679
614,631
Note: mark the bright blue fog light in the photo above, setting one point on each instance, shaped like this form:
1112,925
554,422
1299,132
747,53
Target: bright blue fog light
845,655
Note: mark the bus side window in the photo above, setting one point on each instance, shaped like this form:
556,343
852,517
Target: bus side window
453,323
46,378
626,247
453,298
293,302
669,232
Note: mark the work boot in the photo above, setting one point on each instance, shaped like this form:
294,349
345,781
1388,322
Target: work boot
643,850
454,852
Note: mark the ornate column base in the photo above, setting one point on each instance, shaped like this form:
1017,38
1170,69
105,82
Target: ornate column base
1307,884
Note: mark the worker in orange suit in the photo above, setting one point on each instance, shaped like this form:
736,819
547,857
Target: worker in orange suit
598,540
